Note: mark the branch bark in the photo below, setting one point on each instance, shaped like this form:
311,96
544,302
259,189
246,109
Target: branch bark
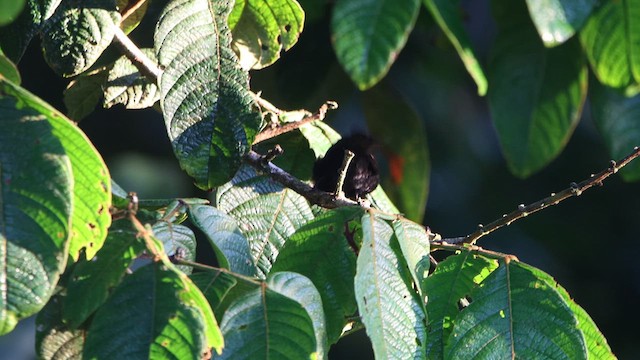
574,189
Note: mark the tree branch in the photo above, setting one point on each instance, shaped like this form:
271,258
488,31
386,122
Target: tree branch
474,249
522,210
146,66
273,132
318,197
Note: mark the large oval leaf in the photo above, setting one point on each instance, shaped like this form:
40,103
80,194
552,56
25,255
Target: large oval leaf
265,324
515,314
125,85
558,20
204,94
54,339
231,247
36,198
262,29
77,34
534,121
610,39
454,279
167,322
368,35
390,311
320,251
267,213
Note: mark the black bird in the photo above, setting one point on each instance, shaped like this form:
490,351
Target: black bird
362,176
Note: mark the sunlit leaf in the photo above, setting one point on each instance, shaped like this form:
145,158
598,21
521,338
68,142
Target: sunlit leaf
84,92
125,85
610,40
320,251
204,94
454,279
266,212
231,247
512,306
77,33
558,20
36,198
390,311
177,239
267,324
262,29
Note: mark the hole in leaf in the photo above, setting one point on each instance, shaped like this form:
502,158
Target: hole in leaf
91,226
279,39
264,47
330,228
242,327
287,28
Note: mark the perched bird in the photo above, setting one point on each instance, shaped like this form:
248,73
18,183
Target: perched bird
362,176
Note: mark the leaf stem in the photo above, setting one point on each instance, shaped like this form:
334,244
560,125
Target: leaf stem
574,189
474,249
146,66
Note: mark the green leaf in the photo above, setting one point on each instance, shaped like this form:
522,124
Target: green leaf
446,14
84,92
320,136
36,202
405,150
298,157
381,201
616,117
9,11
168,323
414,242
92,280
596,343
222,288
204,94
266,212
319,250
15,37
262,29
9,70
536,120
55,340
301,289
264,324
125,85
92,186
77,33
510,309
134,18
174,237
454,279
368,35
558,20
231,247
610,39
393,317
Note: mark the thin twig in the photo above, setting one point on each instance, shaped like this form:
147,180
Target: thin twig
273,132
146,66
348,156
474,249
522,210
204,267
318,197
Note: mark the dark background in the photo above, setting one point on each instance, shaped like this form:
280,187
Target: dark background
589,244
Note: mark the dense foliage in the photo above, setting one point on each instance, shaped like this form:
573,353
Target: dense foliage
113,276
